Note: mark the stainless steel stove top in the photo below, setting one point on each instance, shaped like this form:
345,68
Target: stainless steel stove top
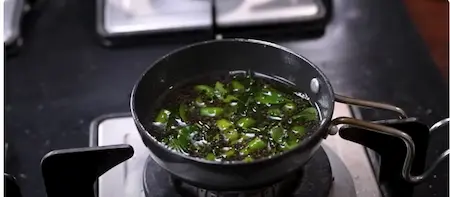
237,13
124,18
350,167
153,16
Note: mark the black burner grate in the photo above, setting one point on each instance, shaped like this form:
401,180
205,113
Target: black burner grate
282,188
313,181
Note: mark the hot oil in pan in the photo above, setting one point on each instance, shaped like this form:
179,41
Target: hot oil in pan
241,116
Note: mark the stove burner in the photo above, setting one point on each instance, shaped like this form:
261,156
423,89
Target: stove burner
313,181
282,188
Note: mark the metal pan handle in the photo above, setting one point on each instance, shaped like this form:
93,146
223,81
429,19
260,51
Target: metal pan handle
409,143
370,104
439,124
410,148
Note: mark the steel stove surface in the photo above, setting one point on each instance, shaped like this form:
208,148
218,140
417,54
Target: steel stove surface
352,175
238,13
132,17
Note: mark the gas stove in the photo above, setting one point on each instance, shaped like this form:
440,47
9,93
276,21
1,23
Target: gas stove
338,169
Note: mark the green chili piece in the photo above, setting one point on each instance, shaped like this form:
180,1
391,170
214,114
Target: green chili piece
292,139
289,107
298,130
210,157
254,145
276,133
245,122
211,111
308,114
223,124
275,112
248,159
231,135
230,153
237,87
246,136
208,91
289,145
163,116
199,102
182,110
267,96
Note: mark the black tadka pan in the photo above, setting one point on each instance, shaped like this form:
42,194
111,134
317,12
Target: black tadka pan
263,57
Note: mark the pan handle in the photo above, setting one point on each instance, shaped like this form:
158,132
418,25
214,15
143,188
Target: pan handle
439,124
410,147
370,104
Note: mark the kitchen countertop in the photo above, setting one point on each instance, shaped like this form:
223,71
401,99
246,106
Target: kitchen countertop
63,78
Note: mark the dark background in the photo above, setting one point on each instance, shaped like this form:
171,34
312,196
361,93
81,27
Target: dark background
63,78
431,20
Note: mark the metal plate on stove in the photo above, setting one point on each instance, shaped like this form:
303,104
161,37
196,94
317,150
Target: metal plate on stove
126,17
238,13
